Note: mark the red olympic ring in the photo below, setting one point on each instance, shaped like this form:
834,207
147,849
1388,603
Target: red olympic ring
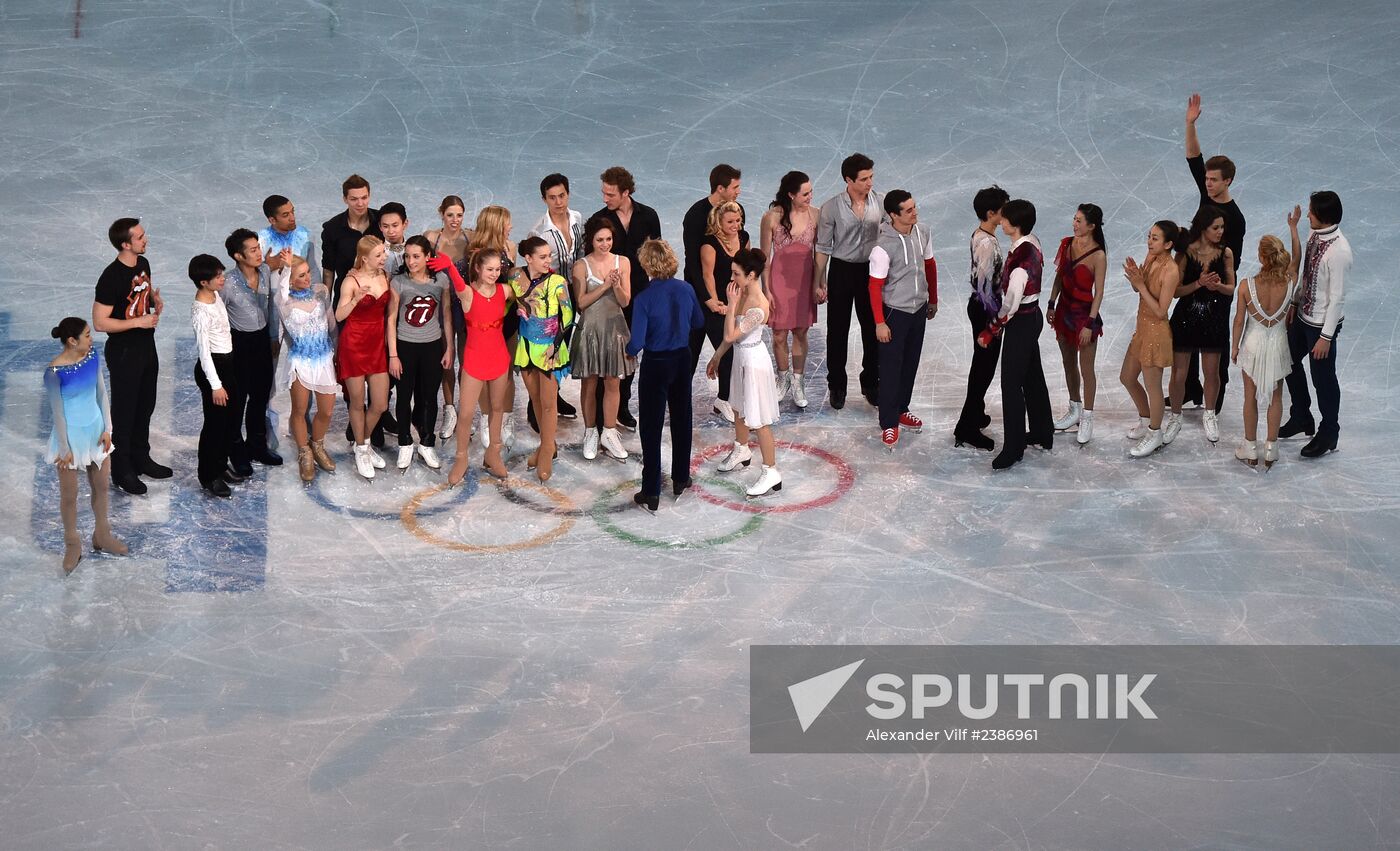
845,477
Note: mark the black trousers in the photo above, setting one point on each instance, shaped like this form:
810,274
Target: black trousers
624,393
133,366
1194,390
899,363
982,370
1301,339
664,385
220,421
714,330
419,385
253,368
848,287
1023,391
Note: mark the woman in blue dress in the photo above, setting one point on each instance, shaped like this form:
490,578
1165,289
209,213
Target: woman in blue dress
81,438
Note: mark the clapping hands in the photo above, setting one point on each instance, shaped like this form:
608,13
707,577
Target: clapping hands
1133,272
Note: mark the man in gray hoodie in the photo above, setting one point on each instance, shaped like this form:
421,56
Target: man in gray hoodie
903,296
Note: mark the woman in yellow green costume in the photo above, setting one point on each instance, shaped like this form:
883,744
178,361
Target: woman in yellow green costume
542,351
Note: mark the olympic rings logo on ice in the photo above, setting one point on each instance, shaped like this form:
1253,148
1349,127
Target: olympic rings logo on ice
845,478
319,496
410,518
603,510
600,512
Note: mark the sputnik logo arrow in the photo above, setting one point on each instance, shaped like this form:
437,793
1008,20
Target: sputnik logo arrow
811,696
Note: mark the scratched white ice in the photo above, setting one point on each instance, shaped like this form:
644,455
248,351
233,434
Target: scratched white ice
347,667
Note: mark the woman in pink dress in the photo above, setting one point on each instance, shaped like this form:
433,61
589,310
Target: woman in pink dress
787,234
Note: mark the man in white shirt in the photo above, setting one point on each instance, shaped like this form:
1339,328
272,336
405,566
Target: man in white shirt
1314,323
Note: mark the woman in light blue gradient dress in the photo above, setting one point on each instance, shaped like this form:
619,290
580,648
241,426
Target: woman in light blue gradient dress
81,438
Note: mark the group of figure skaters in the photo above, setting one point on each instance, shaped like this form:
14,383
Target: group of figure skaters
370,312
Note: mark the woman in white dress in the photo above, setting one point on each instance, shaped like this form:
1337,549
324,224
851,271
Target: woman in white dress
753,388
307,326
1259,342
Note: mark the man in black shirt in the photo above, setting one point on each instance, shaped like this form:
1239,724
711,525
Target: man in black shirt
1213,179
724,186
636,222
127,308
340,234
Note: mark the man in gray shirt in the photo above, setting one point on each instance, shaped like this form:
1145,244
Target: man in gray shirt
846,231
253,321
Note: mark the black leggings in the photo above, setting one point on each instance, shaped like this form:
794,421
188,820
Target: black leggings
714,329
419,385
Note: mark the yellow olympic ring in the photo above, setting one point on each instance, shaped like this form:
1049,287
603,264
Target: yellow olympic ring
409,516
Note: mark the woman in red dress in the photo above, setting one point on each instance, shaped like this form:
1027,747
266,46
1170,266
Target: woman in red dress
485,359
362,353
1074,314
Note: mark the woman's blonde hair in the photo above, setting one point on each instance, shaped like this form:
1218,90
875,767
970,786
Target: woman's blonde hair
657,259
712,225
490,231
364,247
1273,258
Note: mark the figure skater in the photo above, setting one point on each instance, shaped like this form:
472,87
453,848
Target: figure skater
788,234
361,353
1150,350
1024,396
542,350
485,358
983,305
451,239
1259,339
81,437
215,377
602,288
1201,319
307,319
1073,311
420,349
753,389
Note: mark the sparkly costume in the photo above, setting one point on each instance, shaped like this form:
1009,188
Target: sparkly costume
600,343
545,316
753,389
1201,320
78,402
307,320
1076,295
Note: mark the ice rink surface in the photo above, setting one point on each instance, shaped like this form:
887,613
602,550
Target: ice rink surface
384,665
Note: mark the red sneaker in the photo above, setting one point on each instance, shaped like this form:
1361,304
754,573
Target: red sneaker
889,437
911,422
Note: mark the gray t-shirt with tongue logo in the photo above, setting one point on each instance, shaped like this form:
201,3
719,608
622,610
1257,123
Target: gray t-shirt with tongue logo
420,307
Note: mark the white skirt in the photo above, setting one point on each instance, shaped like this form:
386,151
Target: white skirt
1264,358
753,388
